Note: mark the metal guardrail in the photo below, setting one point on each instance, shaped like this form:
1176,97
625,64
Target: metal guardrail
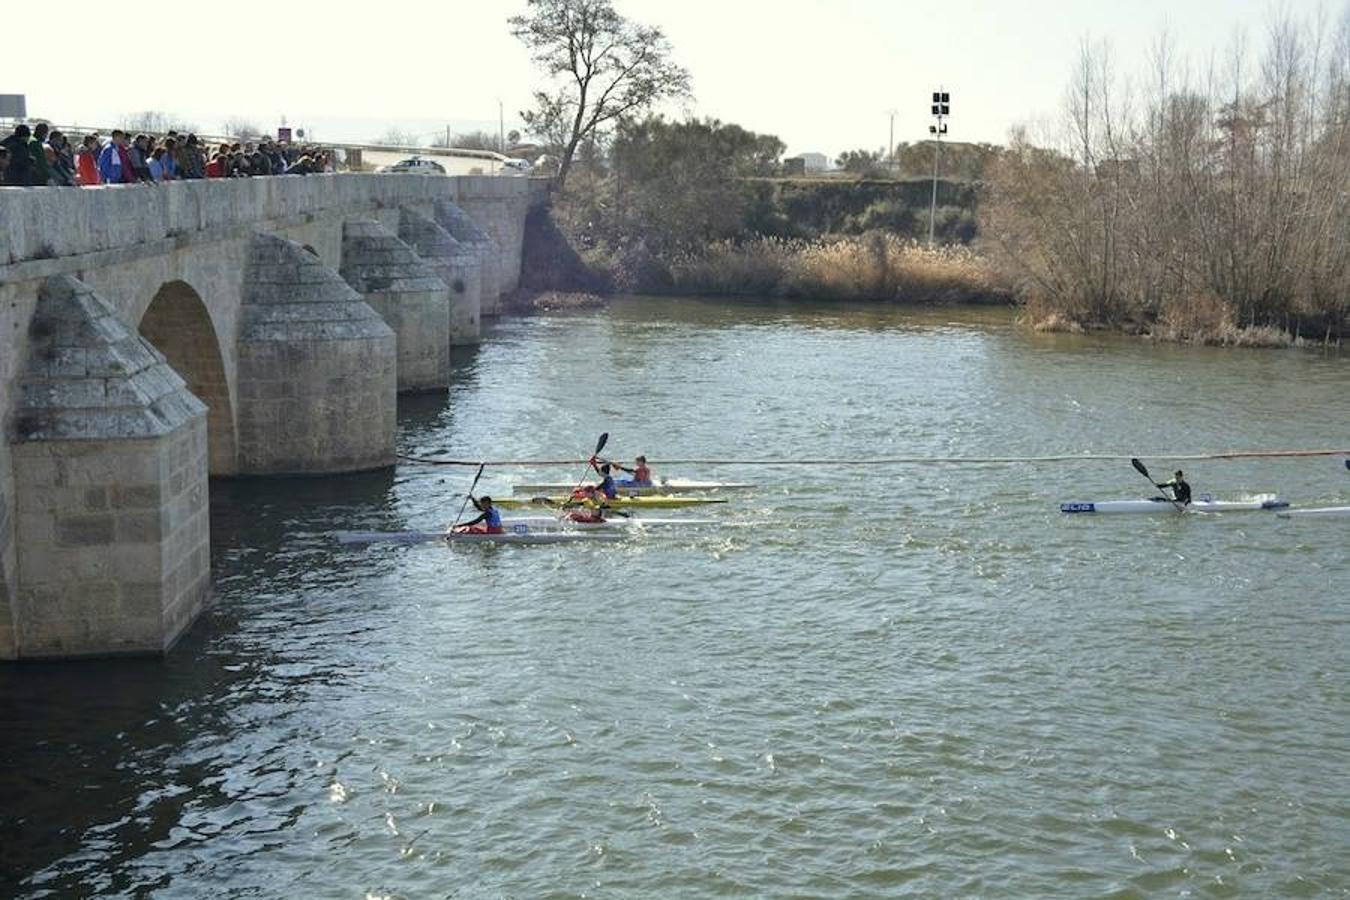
76,132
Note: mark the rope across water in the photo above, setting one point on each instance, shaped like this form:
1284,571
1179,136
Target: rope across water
900,460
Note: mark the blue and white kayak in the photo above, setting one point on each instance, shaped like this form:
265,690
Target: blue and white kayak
1162,506
1317,512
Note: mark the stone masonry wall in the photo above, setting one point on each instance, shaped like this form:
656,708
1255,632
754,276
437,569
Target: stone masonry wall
498,206
457,266
407,294
317,369
110,466
475,241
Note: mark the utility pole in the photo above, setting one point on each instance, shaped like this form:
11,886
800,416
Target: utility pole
447,135
890,146
501,127
941,109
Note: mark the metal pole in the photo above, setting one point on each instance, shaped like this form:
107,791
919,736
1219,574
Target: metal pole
501,128
890,147
932,207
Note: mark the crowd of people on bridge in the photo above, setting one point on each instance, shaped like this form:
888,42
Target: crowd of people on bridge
39,155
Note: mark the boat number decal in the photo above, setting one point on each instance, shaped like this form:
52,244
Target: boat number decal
1077,507
520,529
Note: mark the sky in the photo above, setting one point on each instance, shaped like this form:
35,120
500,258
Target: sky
823,75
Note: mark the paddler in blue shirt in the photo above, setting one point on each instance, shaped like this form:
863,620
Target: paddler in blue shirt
490,522
642,476
606,485
1181,491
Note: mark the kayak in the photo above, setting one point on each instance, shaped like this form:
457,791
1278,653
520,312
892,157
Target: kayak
663,502
520,534
662,486
535,522
1317,512
1161,505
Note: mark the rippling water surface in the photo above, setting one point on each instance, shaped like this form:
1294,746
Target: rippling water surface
903,681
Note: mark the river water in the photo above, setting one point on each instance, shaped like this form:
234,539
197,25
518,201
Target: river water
908,680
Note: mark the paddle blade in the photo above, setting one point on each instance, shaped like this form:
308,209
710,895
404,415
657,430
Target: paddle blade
1139,467
1347,463
600,444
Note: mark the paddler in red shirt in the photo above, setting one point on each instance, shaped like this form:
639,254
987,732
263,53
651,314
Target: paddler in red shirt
642,476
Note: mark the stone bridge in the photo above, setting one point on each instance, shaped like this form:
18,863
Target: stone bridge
152,336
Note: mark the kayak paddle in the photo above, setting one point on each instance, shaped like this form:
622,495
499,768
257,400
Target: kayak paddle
599,445
1142,470
467,497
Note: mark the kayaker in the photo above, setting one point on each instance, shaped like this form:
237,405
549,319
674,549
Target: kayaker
606,487
489,522
586,516
642,476
1181,491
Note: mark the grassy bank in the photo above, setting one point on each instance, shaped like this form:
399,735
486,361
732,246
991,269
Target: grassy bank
876,267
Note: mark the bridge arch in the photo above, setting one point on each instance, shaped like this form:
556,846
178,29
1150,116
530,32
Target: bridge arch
178,324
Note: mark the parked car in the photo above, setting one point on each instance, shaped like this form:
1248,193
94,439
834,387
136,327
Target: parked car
415,165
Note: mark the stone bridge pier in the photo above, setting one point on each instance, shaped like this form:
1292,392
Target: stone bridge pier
152,337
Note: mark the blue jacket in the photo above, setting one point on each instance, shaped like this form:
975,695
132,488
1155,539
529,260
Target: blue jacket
110,164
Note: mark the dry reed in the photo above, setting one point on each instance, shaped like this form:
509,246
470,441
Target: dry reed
875,266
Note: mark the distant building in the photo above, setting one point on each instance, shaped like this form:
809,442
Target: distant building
811,162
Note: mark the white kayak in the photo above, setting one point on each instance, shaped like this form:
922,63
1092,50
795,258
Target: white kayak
660,486
1317,512
615,522
1159,505
519,535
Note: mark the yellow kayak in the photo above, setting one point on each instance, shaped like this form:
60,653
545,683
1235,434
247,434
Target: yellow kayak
665,502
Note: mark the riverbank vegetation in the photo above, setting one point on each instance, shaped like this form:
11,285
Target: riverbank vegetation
698,207
875,266
1210,206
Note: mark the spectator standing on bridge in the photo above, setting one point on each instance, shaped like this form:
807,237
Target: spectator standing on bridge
191,162
139,155
4,164
110,158
169,160
60,160
156,164
86,161
19,169
40,172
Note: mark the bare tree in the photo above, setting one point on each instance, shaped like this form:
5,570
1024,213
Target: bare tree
242,128
153,121
469,140
1221,204
600,67
398,137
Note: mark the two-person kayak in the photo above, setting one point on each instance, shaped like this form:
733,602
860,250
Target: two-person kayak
660,487
625,503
